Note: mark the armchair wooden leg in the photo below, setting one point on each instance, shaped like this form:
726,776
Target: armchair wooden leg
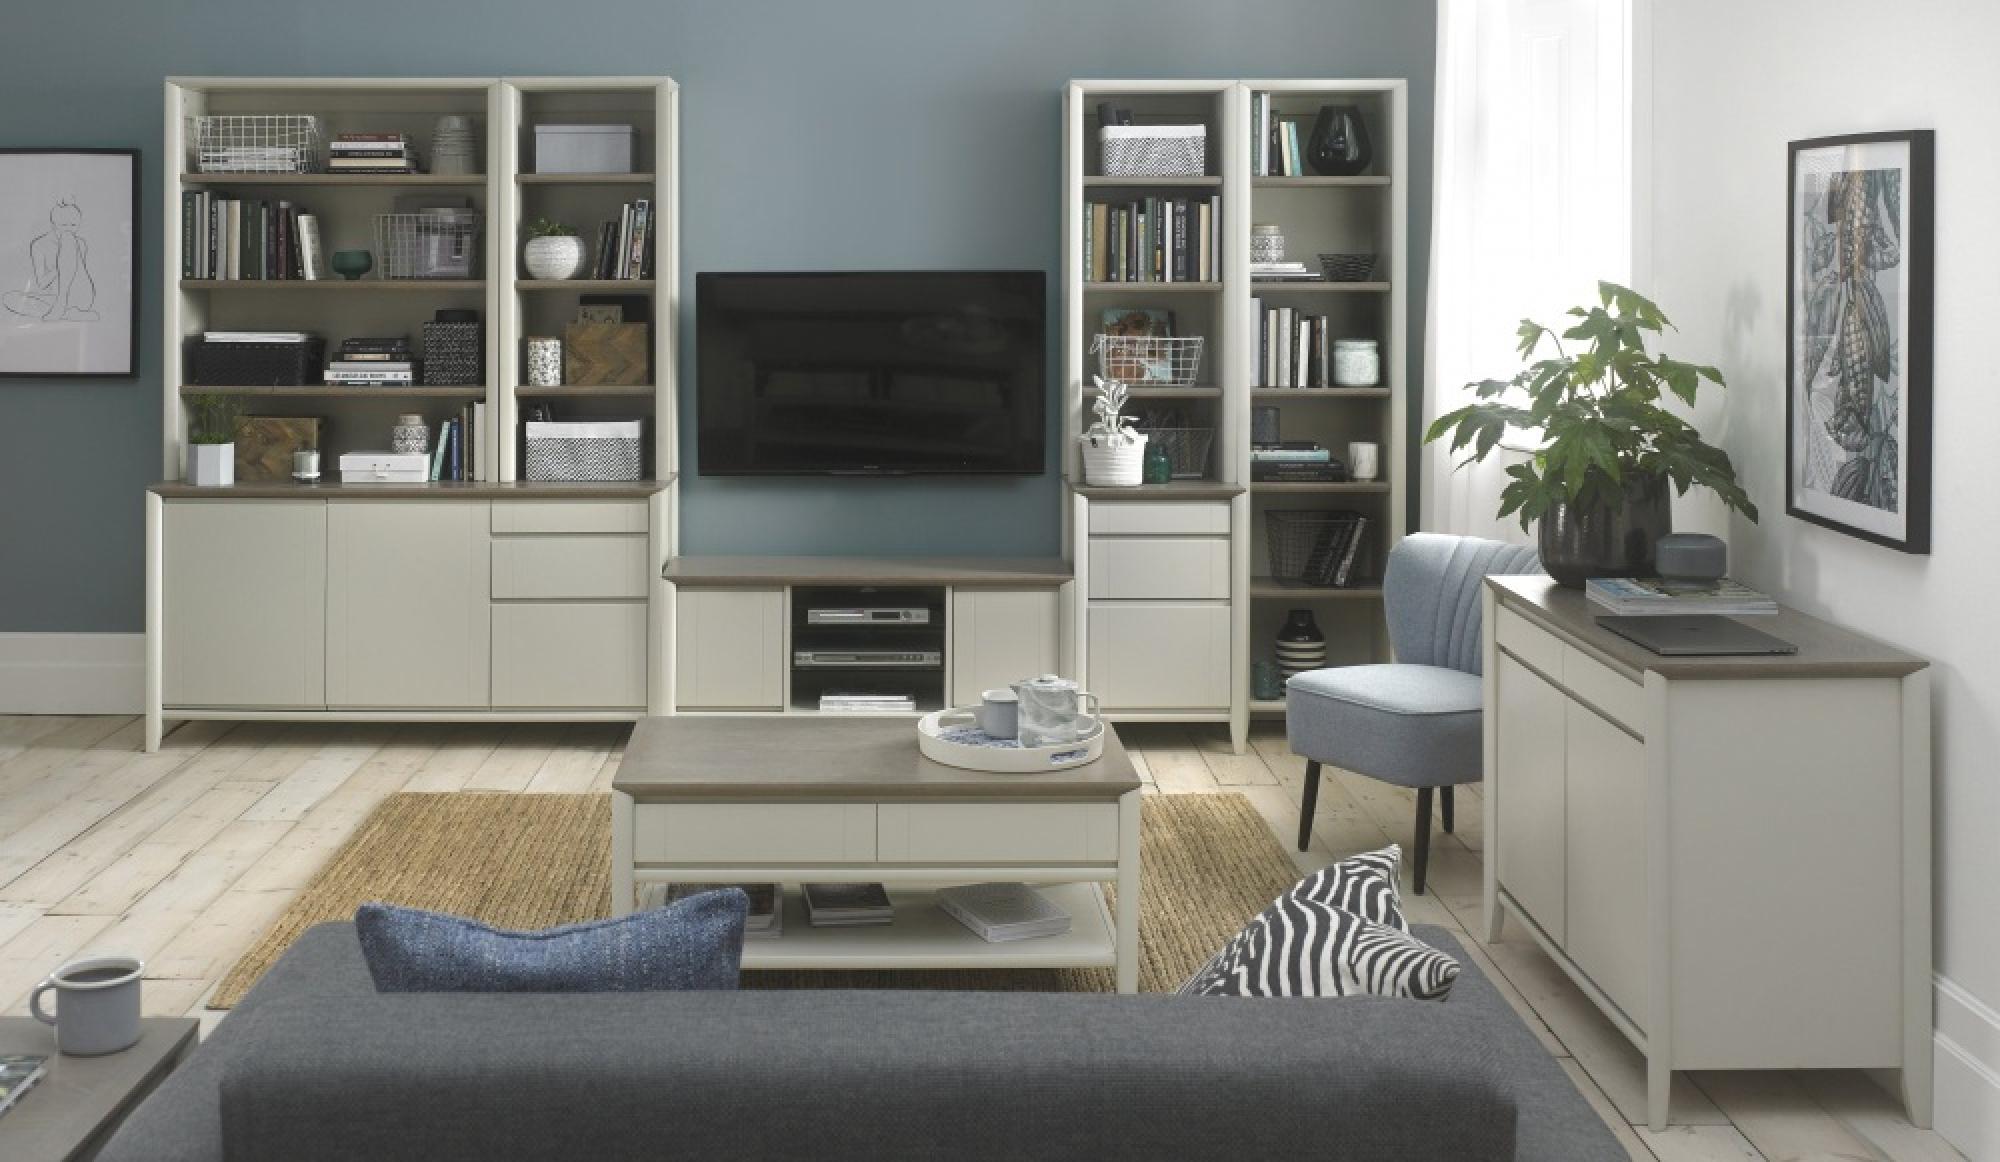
1446,802
1306,801
1423,835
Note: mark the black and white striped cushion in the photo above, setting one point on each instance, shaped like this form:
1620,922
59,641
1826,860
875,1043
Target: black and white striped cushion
1338,932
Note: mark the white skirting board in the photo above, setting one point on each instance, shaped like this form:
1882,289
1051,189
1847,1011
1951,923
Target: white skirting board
1968,1072
72,673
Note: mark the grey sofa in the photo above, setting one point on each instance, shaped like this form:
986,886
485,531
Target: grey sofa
314,1064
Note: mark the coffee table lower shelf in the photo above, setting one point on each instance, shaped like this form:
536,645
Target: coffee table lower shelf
924,936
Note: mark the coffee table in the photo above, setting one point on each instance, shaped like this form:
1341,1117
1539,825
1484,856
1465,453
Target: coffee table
73,1110
817,799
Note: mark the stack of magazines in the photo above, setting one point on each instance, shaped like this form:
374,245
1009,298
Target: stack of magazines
766,920
1653,597
1002,912
847,905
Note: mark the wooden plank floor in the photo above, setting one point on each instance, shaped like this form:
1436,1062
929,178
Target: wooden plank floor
186,856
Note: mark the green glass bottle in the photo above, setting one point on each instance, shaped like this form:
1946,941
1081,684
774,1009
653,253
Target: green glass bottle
1158,468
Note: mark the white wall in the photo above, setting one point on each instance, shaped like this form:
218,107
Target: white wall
1733,82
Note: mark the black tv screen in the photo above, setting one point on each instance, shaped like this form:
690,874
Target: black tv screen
870,372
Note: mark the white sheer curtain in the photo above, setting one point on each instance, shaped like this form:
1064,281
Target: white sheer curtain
1532,205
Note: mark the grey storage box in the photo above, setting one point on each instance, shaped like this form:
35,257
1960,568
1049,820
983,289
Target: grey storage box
584,148
594,450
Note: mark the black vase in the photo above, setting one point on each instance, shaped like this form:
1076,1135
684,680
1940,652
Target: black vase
1607,540
1301,646
1339,145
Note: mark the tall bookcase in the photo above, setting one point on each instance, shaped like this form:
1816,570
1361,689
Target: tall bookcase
1185,618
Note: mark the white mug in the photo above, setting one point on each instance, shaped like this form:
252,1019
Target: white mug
97,1004
1364,460
999,713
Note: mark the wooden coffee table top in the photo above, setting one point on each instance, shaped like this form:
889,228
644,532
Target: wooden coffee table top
82,1099
830,757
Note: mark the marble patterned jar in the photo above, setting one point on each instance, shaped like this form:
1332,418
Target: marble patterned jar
1356,363
545,362
410,434
1267,242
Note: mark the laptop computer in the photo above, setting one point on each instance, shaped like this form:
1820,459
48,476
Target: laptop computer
1683,635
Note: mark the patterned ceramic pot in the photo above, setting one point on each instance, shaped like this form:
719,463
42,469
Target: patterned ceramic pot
1300,645
410,434
545,362
554,256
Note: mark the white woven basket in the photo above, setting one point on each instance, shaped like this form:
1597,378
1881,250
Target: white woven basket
1115,466
1154,151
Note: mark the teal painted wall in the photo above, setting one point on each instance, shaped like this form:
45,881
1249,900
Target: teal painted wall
816,134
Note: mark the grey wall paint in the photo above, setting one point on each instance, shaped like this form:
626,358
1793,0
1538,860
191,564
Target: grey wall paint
868,133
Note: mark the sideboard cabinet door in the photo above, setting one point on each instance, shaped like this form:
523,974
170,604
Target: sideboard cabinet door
244,604
1529,790
408,619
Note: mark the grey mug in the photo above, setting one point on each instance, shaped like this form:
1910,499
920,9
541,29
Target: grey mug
97,1004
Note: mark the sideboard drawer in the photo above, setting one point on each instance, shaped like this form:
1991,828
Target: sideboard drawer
570,566
1529,642
1172,518
569,516
998,832
1169,568
1605,689
740,833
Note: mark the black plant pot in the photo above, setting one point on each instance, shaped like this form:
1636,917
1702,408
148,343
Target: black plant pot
1607,540
1338,147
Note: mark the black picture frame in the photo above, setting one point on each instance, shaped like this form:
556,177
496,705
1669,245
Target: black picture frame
1859,264
17,290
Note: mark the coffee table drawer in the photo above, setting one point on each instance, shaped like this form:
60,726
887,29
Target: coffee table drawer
743,833
998,833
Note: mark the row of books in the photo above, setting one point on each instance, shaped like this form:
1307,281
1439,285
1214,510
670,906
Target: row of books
625,246
835,702
383,361
1277,144
996,913
363,153
1295,462
1294,349
1154,240
231,238
1653,597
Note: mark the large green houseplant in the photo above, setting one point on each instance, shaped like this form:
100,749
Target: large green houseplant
1598,480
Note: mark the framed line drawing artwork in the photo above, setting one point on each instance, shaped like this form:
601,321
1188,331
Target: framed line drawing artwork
69,262
1858,321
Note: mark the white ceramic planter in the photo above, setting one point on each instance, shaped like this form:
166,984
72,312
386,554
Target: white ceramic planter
211,465
554,256
1115,466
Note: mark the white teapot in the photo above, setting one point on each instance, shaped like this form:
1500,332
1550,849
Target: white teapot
1054,711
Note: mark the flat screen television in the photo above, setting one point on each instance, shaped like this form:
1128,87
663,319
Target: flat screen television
870,373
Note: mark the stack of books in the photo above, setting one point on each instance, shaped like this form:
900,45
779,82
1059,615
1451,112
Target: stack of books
1154,240
1294,349
847,905
1284,272
1003,912
1277,144
625,246
837,703
1653,597
1296,461
455,456
766,920
299,338
373,362
382,153
230,238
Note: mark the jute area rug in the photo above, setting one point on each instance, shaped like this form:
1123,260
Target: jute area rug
1207,864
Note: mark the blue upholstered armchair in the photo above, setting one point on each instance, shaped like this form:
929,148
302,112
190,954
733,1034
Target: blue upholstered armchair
1416,721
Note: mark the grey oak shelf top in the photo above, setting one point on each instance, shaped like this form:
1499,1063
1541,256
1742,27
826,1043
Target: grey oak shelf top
1320,486
1317,286
1177,490
1032,572
334,284
582,391
820,756
1312,181
1147,288
332,179
1102,181
82,1099
1301,393
396,391
1265,587
584,179
434,490
1198,391
584,284
1825,650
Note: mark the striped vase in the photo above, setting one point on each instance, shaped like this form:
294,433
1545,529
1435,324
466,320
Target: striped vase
1301,646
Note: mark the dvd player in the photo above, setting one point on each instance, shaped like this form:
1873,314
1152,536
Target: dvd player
859,615
851,659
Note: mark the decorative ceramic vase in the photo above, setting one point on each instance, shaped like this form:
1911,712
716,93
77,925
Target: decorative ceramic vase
410,434
1339,144
1115,465
553,257
1266,684
1301,646
455,145
352,264
1356,363
1606,540
545,362
1267,242
211,465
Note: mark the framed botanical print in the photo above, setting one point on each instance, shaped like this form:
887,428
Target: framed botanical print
1858,336
69,262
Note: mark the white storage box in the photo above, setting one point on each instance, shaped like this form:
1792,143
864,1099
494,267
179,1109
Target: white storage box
1154,151
584,148
598,450
384,467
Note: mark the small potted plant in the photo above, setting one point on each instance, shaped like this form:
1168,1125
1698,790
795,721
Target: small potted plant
1113,453
211,452
554,251
1598,482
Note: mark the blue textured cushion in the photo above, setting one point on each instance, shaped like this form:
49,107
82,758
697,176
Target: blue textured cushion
696,943
1416,726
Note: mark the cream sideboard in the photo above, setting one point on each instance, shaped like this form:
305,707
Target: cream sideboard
474,601
1730,856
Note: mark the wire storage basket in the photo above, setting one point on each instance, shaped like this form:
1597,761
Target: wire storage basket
258,143
438,243
1312,547
1187,449
1148,360
1347,267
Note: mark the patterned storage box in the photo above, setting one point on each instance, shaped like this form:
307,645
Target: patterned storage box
454,354
594,450
1154,151
254,364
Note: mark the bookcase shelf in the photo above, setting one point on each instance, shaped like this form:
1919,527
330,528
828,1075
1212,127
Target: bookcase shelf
584,284
253,180
1148,288
1100,181
584,179
343,391
1327,486
1196,392
585,391
1264,589
1292,394
1280,286
336,285
1364,181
